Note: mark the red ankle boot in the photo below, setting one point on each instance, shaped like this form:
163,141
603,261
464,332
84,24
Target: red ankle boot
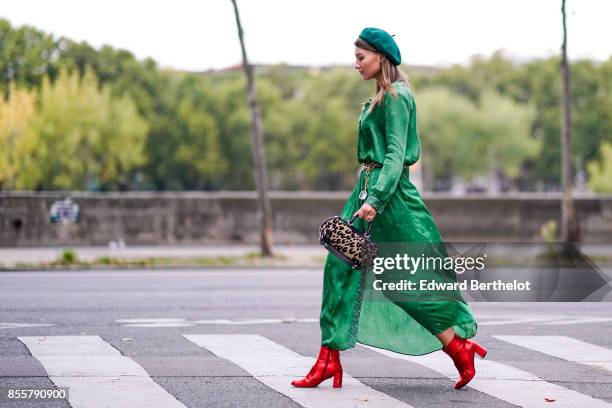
327,365
462,352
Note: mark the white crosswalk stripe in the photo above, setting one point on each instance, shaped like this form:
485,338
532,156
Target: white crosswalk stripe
566,348
275,366
505,382
96,373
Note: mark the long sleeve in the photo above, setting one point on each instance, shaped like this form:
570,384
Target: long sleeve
397,116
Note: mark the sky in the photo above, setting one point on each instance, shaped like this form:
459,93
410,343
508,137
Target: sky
201,35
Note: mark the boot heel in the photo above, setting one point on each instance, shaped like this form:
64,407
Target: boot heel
482,352
338,379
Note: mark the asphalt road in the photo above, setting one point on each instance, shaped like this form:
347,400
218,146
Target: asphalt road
236,337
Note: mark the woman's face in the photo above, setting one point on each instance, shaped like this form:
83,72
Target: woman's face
367,63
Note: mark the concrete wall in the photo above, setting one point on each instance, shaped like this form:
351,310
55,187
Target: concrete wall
141,218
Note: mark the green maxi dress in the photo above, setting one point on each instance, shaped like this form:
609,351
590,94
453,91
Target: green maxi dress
350,312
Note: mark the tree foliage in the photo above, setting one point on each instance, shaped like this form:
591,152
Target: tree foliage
78,117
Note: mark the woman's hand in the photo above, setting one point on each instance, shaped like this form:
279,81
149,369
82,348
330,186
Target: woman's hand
367,212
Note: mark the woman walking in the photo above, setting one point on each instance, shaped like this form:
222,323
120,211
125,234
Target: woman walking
408,322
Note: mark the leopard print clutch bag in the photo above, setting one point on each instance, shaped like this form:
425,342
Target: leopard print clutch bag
343,240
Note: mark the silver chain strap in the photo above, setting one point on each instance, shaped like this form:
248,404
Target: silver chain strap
367,168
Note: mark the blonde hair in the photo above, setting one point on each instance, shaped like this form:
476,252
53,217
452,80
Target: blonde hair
390,74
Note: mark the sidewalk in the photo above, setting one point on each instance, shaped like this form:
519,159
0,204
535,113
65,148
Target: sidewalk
294,255
244,255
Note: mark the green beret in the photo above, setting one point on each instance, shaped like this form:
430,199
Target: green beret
383,43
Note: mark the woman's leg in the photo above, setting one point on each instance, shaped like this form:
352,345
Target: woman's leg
446,336
338,318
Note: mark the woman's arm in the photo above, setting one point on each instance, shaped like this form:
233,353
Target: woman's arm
397,116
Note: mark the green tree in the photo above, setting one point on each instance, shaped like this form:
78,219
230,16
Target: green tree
197,154
461,137
27,55
328,127
232,117
17,137
86,137
600,171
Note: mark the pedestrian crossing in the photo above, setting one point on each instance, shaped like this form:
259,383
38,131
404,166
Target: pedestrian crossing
275,366
96,373
505,382
99,375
